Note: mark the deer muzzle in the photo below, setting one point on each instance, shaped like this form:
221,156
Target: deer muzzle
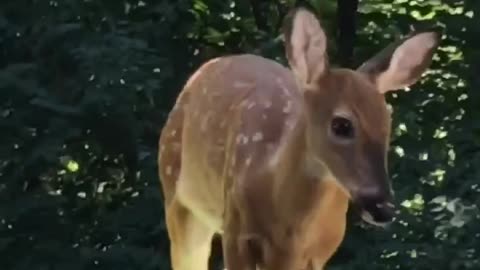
376,205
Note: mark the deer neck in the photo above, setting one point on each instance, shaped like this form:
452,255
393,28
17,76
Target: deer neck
303,184
297,173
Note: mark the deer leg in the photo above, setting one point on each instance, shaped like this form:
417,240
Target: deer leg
317,264
190,239
236,253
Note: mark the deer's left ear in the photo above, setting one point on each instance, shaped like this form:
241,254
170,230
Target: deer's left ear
402,63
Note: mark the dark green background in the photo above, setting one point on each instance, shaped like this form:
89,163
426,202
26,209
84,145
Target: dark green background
85,87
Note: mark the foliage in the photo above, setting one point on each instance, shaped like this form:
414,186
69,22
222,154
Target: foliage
85,87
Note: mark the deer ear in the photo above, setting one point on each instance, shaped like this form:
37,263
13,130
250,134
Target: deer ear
402,63
305,44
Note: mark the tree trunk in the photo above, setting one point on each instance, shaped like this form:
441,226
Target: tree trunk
346,31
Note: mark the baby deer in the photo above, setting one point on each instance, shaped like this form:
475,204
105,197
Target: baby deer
269,158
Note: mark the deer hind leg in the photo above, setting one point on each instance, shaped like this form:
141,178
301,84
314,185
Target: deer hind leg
237,253
190,239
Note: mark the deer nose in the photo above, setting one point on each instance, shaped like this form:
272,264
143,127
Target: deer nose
376,205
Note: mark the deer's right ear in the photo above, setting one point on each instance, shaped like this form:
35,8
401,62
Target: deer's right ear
305,44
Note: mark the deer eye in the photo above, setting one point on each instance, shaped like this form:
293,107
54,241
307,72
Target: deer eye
342,128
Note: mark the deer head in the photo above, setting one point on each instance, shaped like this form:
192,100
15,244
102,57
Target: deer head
348,123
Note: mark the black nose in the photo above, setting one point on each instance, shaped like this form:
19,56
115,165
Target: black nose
377,204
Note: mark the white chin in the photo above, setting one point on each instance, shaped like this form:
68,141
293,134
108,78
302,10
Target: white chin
369,219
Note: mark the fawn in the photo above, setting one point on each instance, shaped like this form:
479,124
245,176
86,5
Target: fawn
269,158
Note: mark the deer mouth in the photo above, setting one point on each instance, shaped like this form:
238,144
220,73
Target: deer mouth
374,202
377,214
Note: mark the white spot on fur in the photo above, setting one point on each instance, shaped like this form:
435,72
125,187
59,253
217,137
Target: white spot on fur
204,124
241,139
270,147
173,133
248,161
160,153
281,83
276,154
257,137
193,78
234,161
268,104
200,71
243,103
241,84
288,107
251,105
238,139
264,116
176,146
289,124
